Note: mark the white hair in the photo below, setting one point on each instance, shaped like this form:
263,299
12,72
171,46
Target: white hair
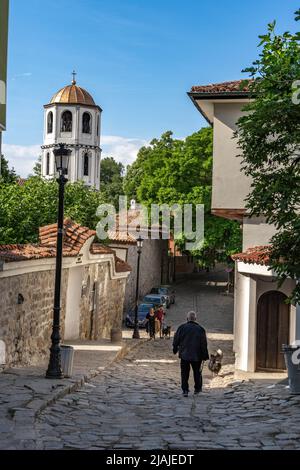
191,316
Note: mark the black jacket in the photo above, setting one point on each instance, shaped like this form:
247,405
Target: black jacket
190,340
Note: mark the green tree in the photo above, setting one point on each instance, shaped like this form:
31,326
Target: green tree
269,137
111,180
23,209
37,169
177,171
7,175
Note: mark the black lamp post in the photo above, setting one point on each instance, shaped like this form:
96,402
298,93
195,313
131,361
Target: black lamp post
54,371
136,333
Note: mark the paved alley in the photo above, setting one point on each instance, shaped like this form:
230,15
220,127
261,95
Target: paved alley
137,403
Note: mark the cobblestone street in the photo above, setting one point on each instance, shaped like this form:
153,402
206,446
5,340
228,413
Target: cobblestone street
138,404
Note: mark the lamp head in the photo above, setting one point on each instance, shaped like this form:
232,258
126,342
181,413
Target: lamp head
62,155
140,242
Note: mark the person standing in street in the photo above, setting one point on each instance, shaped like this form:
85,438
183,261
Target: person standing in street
191,342
160,317
151,323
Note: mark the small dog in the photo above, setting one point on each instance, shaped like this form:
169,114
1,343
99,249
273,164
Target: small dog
215,362
166,331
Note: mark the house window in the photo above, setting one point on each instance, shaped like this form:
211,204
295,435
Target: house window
50,123
48,164
86,164
86,123
66,121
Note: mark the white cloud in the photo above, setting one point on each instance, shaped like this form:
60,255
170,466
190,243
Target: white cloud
23,158
123,149
22,75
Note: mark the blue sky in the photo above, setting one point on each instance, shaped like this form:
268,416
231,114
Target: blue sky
138,58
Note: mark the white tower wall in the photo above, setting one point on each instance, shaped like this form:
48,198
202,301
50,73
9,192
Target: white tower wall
84,163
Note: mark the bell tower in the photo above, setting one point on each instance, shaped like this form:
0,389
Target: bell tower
72,117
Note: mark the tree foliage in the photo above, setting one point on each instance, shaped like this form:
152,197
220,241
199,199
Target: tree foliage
172,171
269,137
111,180
7,175
23,209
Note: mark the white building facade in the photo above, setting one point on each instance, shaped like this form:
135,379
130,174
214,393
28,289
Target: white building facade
263,321
73,118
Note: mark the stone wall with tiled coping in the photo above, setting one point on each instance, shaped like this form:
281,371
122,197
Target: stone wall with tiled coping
26,310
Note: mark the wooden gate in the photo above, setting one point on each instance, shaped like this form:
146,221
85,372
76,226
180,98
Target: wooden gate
273,325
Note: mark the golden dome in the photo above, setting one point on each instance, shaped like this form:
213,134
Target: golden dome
73,94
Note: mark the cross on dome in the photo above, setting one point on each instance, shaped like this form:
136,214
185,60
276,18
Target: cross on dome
74,77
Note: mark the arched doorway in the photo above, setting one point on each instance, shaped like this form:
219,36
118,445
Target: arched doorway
273,325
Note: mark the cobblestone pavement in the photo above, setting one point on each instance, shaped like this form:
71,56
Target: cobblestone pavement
137,404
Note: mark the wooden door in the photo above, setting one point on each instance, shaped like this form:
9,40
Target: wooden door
273,325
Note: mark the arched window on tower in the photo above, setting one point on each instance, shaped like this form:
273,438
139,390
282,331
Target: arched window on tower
66,121
48,164
50,123
98,125
86,164
86,123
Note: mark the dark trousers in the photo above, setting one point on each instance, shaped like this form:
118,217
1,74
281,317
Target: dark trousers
185,373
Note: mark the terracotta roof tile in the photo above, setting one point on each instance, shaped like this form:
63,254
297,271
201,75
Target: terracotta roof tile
10,253
74,239
256,255
122,233
121,266
98,249
236,86
75,235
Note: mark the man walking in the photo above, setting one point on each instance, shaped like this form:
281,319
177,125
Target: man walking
190,340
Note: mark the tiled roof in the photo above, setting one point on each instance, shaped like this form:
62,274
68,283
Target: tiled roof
256,255
21,181
122,233
121,266
98,249
75,236
10,253
236,86
121,237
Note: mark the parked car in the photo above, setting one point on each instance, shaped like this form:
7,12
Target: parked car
162,291
171,292
156,299
143,310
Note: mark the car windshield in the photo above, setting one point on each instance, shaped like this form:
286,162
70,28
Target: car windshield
145,307
154,300
159,290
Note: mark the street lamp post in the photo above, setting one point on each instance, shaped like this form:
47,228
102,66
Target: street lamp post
136,333
54,371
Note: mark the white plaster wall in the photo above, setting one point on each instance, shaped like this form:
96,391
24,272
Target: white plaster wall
245,311
256,232
72,321
230,186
